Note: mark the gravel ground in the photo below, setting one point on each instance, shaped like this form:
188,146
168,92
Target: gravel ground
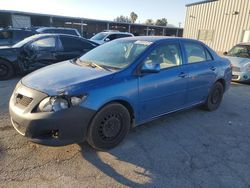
193,148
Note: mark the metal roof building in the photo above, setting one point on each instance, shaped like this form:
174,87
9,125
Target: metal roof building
219,23
87,27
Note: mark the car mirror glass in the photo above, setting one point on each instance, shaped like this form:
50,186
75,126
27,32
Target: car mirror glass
107,40
150,67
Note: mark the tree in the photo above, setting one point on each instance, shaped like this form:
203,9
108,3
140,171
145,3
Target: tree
133,17
122,19
149,22
161,22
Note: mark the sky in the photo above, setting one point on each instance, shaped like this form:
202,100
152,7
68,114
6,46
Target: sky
173,10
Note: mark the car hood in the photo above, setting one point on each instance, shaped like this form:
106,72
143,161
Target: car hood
238,61
65,77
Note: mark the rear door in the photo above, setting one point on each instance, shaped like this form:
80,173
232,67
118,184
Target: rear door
201,69
72,47
163,92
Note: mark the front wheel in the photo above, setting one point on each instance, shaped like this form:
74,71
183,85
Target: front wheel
215,97
109,127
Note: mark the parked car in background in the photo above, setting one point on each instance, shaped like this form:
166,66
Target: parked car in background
239,56
11,36
116,86
107,36
58,30
40,50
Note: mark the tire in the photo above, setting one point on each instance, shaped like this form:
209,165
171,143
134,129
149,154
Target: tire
109,127
6,70
215,97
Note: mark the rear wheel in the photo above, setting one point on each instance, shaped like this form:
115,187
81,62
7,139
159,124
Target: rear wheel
215,97
109,127
6,70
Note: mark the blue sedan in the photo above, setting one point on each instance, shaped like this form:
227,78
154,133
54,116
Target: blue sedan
116,86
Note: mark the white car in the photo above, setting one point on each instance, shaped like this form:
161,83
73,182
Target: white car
239,56
106,36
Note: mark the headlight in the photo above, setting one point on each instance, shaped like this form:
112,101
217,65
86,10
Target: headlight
247,67
54,104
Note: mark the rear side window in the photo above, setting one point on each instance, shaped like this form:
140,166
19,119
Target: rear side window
73,44
112,36
22,34
67,31
6,35
196,53
123,35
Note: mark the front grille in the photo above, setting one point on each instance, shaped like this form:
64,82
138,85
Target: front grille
236,69
23,100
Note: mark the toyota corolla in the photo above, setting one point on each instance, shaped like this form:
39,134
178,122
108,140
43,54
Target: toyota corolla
115,87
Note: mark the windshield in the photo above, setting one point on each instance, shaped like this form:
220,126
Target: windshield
240,51
99,36
117,54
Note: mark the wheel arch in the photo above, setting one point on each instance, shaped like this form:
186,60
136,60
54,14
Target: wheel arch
124,103
223,82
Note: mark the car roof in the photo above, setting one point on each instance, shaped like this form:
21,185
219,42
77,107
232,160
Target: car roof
56,34
59,28
158,38
244,43
117,32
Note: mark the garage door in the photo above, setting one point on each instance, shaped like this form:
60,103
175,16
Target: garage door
19,21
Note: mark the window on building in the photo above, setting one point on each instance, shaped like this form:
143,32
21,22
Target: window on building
246,36
206,35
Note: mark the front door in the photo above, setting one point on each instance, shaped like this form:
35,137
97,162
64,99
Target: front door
40,53
165,91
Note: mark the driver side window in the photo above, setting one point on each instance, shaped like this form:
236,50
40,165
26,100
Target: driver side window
166,55
43,44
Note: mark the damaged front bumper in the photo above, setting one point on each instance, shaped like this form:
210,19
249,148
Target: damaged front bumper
48,128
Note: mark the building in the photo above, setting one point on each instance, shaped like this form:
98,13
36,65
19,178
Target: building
219,23
87,27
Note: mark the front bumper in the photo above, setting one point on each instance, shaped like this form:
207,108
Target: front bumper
241,76
48,128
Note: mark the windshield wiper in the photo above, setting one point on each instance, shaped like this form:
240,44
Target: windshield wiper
93,65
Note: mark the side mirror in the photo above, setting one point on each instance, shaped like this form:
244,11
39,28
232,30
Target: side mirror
225,53
107,39
150,68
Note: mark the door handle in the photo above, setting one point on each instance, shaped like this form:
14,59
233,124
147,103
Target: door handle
213,68
182,75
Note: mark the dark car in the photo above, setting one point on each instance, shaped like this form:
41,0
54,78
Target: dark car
40,50
116,86
11,36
